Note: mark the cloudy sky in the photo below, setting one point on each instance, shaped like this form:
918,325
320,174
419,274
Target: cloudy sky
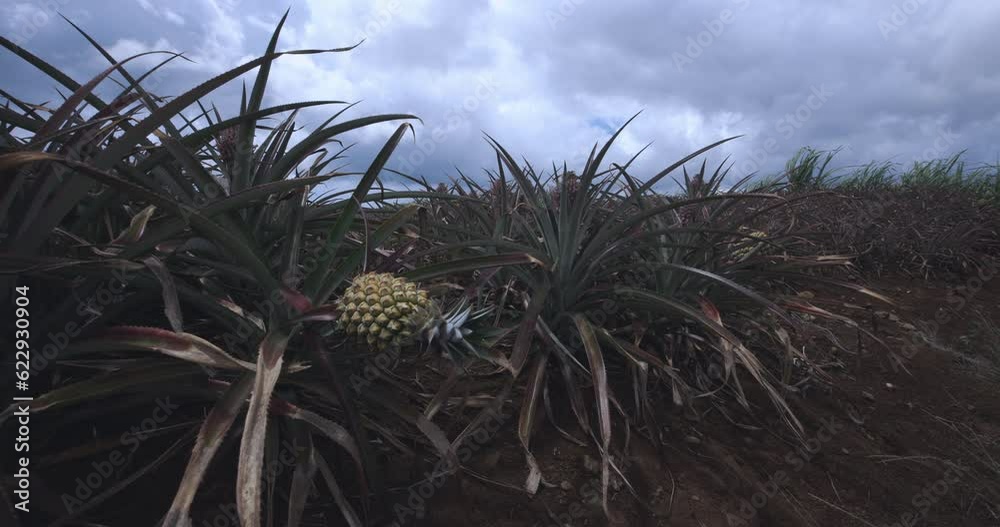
898,81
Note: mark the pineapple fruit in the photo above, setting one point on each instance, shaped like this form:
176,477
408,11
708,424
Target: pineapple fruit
386,311
572,184
748,247
383,310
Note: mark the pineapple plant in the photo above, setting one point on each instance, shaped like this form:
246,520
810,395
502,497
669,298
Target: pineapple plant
224,305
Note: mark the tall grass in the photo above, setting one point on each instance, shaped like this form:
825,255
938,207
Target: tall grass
810,169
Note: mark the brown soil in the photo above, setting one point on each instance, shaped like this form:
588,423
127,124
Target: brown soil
883,446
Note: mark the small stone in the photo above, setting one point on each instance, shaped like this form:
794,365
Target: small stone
806,294
692,440
845,451
868,395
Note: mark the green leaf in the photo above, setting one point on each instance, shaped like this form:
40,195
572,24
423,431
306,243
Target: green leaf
210,437
245,135
307,146
251,464
526,331
184,346
302,481
76,190
601,396
114,384
469,264
336,433
315,280
527,418
338,495
241,252
348,266
51,71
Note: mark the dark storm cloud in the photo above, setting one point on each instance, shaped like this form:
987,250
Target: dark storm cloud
882,80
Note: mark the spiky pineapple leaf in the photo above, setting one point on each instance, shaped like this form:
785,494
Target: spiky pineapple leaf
336,433
306,467
315,283
470,264
184,346
210,437
350,264
599,374
338,495
528,417
123,380
251,465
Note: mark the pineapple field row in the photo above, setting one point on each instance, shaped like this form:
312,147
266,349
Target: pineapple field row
216,339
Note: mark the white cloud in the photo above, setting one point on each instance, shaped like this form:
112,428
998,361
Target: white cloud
173,17
165,13
128,47
564,82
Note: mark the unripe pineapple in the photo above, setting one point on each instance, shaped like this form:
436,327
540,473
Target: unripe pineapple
383,309
747,248
572,184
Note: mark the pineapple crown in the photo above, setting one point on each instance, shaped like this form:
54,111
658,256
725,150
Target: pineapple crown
448,332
